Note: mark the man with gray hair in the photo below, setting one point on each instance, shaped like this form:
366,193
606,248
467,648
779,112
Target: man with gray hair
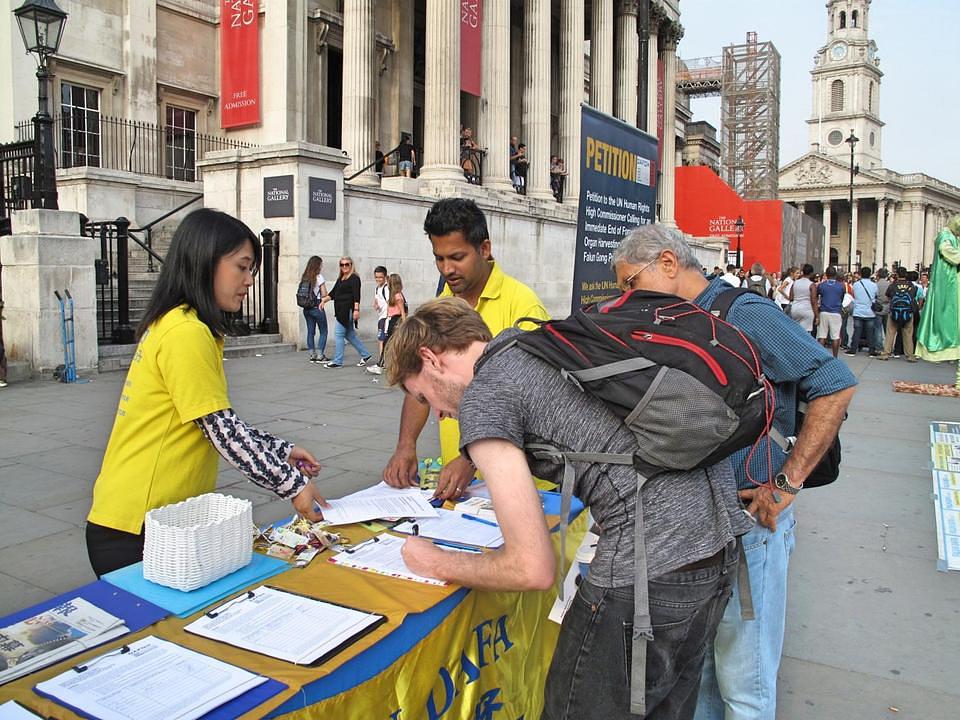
740,670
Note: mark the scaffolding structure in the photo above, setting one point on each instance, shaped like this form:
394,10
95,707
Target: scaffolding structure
750,118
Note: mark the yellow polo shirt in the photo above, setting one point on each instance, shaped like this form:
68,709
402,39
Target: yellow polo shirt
504,300
156,454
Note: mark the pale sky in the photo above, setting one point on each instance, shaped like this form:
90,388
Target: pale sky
917,46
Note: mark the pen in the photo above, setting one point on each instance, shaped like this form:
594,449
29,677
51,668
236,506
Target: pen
456,546
491,523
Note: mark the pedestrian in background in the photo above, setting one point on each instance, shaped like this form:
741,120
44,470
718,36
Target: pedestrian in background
346,311
396,313
802,298
315,316
864,317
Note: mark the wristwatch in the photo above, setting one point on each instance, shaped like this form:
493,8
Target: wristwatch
782,483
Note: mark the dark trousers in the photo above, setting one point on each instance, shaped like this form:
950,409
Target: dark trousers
863,330
393,321
110,549
590,673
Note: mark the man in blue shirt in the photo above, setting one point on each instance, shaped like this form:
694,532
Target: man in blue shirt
864,318
740,671
828,316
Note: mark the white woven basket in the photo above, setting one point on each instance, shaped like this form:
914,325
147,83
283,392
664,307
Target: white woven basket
192,543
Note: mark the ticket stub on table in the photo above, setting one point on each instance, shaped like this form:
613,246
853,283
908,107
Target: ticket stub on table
288,537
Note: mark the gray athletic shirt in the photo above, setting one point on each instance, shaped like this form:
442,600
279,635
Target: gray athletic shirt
687,516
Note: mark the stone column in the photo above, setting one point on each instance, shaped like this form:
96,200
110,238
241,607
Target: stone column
441,112
628,46
826,233
916,235
283,37
536,96
653,54
601,56
494,126
359,103
571,95
47,253
891,246
852,240
879,249
669,170
929,233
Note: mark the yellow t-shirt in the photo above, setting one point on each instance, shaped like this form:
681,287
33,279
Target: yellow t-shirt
156,454
504,300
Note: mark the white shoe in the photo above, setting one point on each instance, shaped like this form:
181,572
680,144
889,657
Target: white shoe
374,369
363,361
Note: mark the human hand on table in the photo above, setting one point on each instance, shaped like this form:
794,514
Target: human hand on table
401,470
422,556
454,478
305,501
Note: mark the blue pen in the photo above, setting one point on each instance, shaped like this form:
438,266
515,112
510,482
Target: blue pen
455,546
491,523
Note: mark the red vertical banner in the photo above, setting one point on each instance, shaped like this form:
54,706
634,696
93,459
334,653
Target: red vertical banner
471,40
661,107
239,63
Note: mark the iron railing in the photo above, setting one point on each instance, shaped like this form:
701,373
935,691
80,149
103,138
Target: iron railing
17,165
115,324
138,147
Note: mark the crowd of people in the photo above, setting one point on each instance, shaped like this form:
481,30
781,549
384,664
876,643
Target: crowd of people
874,311
710,538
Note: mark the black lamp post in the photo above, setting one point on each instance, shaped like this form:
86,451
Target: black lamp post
41,27
738,226
851,141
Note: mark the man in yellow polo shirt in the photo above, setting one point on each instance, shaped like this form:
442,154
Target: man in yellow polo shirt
458,232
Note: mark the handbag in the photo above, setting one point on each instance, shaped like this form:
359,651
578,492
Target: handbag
875,304
846,304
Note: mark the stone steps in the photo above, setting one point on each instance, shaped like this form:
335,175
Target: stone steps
118,357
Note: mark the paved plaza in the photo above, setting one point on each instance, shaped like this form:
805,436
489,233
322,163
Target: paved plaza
871,623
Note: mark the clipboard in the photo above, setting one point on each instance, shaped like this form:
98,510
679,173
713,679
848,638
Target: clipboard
229,710
324,657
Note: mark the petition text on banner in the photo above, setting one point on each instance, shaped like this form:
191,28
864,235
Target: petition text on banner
618,192
471,40
239,63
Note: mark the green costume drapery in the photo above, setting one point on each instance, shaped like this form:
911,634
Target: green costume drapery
938,337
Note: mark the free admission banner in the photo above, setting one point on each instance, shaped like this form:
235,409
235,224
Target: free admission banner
618,165
239,63
471,40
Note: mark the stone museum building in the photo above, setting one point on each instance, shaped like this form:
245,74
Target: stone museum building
161,105
894,217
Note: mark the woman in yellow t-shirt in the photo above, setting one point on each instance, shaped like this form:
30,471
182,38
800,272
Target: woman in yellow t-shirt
174,416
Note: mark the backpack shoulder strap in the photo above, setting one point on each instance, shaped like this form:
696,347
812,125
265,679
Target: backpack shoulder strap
723,302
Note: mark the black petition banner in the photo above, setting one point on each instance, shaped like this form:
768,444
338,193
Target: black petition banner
618,192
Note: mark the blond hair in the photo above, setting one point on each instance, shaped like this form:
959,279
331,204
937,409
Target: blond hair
394,286
353,267
440,324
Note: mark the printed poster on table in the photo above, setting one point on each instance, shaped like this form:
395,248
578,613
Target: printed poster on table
618,192
239,63
945,454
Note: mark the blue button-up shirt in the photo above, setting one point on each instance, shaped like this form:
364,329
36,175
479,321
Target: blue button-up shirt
792,360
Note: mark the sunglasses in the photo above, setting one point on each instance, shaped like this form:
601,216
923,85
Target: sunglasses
344,264
627,284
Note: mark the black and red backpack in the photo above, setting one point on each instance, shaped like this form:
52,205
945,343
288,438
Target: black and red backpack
689,385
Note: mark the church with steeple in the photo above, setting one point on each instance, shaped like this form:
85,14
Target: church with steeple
893,217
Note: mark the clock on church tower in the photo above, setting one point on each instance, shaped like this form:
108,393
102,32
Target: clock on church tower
846,86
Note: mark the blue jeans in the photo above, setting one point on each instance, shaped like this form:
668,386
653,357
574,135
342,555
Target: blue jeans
316,319
589,676
863,328
740,670
341,333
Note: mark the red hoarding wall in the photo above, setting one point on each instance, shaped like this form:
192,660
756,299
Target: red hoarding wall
239,63
706,206
471,39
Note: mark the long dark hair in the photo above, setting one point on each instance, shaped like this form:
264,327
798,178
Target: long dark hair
313,269
203,237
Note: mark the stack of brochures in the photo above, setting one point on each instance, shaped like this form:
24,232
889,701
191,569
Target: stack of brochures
285,625
48,637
